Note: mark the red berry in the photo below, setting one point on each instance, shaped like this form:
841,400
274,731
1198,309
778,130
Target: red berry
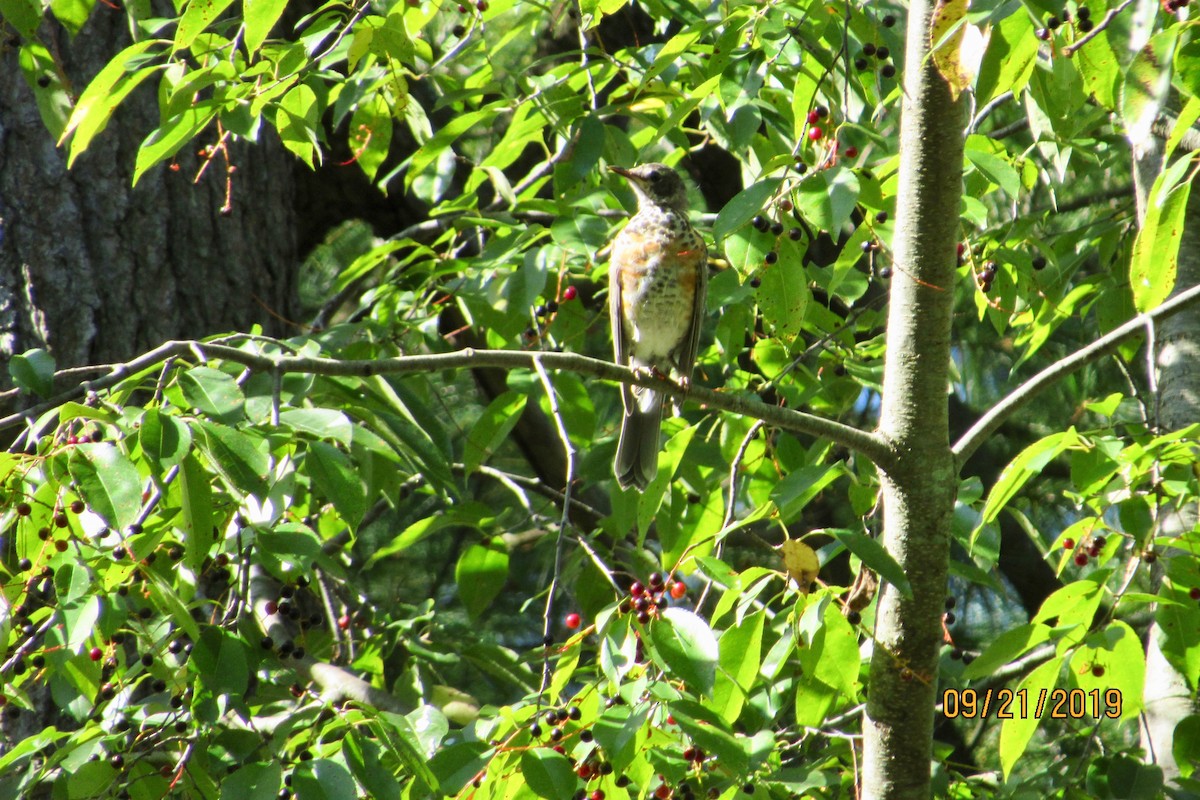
77,506
573,620
1194,593
1081,559
344,621
1097,670
272,608
815,134
95,654
656,580
1068,544
678,589
962,248
813,117
851,152
570,293
662,792
597,795
637,590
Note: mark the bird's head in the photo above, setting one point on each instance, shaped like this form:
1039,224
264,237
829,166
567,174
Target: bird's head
656,184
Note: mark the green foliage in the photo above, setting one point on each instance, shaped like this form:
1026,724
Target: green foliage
242,530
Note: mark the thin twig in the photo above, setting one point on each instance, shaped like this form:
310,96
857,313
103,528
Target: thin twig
986,425
1070,49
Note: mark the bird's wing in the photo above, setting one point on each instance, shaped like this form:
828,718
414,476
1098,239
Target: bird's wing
690,346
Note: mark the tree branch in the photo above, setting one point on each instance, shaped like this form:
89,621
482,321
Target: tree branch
866,443
993,419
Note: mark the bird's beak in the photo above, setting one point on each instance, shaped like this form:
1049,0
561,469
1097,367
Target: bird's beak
624,173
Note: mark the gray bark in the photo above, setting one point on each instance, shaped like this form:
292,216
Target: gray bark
919,490
96,271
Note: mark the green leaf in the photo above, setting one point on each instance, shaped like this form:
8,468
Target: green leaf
548,773
1028,463
108,482
371,134
198,15
1010,57
335,477
1155,258
471,515
213,392
33,371
744,206
1185,746
164,438
23,15
363,757
1146,86
260,17
1016,732
197,506
104,94
685,647
995,169
783,294
1007,647
238,457
741,657
297,121
166,140
707,730
255,781
1073,604
481,573
827,199
1120,654
323,423
616,730
492,428
222,657
875,556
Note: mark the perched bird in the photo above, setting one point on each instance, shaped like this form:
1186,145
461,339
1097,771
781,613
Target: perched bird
657,280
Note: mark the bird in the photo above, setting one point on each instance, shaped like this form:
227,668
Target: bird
657,282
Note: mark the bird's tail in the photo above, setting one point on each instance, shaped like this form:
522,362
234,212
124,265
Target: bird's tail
637,448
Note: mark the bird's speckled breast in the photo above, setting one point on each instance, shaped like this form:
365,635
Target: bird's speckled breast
660,256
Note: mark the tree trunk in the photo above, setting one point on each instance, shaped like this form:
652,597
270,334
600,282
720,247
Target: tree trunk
919,491
94,270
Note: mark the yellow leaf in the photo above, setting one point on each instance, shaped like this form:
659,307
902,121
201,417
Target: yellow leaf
801,563
957,45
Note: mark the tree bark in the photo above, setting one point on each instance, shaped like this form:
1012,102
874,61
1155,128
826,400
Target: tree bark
94,270
918,493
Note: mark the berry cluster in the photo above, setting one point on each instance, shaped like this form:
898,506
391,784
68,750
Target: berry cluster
645,601
1171,6
1083,22
985,276
775,228
880,55
545,313
1094,545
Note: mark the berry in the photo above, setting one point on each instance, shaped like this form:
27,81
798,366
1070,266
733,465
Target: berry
860,64
770,258
175,553
822,112
755,282
888,21
888,71
956,654
656,580
77,506
95,654
574,713
885,272
881,217
573,620
24,509
1085,25
1043,34
776,228
1068,544
882,53
1150,557
854,618
1082,13
535,731
949,617
1039,262
760,223
643,617
851,152
868,49
1081,559
637,590
813,117
459,31
951,602
678,589
748,788
117,760
815,134
61,521
795,234
1194,593
1097,671
1052,22
24,565
482,6
662,792
147,659
596,795
785,205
